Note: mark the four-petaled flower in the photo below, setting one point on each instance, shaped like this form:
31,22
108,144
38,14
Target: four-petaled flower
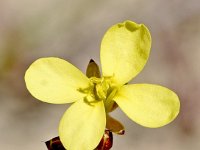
124,51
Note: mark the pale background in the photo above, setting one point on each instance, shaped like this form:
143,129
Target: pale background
73,29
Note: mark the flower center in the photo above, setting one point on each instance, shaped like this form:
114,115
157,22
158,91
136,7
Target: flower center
100,89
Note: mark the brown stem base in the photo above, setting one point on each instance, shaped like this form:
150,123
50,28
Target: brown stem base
105,143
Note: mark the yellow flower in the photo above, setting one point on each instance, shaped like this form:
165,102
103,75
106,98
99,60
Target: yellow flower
125,49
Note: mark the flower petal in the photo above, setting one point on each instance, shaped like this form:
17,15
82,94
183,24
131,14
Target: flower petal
148,105
82,125
124,51
55,80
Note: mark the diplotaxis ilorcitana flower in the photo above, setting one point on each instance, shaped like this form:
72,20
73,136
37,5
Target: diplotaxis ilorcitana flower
125,49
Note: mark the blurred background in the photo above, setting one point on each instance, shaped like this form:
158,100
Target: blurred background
72,30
